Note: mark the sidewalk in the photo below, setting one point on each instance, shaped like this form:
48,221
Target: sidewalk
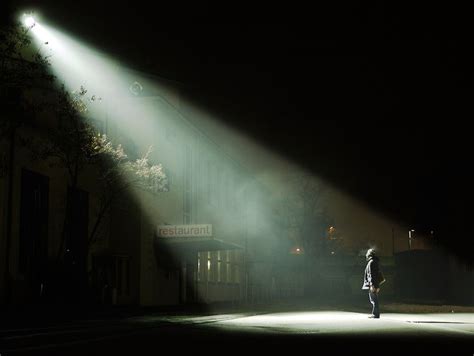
426,308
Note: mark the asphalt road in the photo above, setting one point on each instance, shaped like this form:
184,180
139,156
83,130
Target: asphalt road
448,333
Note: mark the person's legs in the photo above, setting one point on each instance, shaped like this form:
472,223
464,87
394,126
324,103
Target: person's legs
373,297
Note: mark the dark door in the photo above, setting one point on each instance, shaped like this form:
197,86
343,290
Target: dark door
76,243
33,247
190,282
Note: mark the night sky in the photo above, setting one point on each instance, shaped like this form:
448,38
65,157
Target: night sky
375,98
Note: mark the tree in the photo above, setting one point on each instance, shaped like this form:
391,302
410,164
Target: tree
20,70
117,174
74,145
303,213
27,89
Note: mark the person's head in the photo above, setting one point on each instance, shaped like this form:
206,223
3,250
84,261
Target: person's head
370,254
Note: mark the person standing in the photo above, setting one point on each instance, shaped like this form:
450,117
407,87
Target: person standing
372,281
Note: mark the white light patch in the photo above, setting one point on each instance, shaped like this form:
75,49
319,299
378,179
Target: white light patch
29,21
298,318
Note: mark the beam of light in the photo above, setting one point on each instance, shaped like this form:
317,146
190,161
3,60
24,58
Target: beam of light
146,120
76,64
155,119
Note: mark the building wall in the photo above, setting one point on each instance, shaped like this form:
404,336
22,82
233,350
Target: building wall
126,249
222,193
57,189
3,212
212,202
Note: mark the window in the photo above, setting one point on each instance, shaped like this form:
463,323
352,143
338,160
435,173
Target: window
469,267
227,190
122,274
237,189
217,187
34,207
199,266
214,266
187,206
209,265
171,275
213,187
228,266
208,181
219,267
237,274
232,192
201,171
236,267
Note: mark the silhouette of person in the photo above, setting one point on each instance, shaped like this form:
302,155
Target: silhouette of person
372,281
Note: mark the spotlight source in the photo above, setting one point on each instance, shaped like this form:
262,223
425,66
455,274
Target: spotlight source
29,21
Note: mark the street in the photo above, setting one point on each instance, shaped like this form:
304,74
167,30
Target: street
340,330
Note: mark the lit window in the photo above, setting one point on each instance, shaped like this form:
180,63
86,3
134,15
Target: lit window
209,276
219,266
228,267
199,267
236,272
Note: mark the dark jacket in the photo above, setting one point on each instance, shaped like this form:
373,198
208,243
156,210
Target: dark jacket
371,274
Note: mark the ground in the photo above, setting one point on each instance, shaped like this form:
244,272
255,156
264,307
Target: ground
344,330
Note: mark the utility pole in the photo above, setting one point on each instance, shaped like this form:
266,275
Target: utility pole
393,241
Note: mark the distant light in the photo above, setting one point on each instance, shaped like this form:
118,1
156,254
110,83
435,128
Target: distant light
29,21
332,252
412,230
296,250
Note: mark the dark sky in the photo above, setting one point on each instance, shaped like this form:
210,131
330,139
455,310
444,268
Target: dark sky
376,98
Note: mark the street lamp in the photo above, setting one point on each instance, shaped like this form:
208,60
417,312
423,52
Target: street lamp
29,21
409,238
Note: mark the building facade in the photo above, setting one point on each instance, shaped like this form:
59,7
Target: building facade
131,262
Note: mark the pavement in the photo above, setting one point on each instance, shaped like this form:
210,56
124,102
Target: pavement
343,329
47,315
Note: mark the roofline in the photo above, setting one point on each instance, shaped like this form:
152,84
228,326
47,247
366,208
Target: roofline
156,77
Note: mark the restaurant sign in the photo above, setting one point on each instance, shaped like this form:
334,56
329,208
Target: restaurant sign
202,230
